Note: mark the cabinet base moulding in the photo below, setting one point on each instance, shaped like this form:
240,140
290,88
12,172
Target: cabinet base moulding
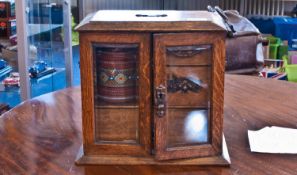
222,160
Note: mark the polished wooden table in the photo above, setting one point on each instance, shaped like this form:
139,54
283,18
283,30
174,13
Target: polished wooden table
43,135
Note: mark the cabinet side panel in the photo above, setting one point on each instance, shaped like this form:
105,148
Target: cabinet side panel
218,92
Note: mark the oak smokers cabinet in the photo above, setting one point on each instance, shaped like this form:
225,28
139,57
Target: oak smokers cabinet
152,88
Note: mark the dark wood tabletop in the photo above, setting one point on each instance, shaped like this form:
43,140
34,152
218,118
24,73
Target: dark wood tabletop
43,135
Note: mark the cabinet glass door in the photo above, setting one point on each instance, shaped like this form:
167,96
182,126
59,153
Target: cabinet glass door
121,85
183,96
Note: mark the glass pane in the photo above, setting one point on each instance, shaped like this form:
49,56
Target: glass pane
9,77
47,46
188,71
116,92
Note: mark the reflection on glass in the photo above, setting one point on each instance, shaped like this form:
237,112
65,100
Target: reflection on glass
195,79
196,127
187,127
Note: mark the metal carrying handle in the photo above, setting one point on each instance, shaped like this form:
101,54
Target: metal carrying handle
221,13
230,28
210,9
160,101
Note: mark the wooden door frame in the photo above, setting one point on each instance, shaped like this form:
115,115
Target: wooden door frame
143,148
214,148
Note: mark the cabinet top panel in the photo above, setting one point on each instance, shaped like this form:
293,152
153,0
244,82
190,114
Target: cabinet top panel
151,21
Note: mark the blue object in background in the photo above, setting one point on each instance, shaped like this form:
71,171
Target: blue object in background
3,64
12,96
286,28
42,13
45,84
264,23
38,67
76,67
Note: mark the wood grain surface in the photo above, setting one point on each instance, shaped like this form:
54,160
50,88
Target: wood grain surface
43,135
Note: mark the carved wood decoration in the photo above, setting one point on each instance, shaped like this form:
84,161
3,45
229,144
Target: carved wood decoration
183,84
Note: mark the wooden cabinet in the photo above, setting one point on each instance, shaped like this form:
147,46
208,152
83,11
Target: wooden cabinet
152,88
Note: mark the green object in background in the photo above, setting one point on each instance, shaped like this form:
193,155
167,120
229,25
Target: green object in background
273,48
291,69
282,51
274,40
274,44
75,36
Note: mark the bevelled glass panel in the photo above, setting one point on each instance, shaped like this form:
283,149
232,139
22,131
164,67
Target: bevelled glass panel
188,70
116,79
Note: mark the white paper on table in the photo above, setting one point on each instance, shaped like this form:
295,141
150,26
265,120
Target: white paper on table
273,140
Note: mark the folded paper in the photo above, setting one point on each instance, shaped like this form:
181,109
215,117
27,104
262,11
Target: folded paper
273,140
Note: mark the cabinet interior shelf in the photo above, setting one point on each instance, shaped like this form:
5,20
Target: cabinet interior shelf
189,107
185,65
136,107
117,106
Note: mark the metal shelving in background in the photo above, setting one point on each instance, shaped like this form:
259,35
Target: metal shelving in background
44,38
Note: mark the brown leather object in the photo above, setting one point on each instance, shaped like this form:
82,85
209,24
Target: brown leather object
241,49
241,52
